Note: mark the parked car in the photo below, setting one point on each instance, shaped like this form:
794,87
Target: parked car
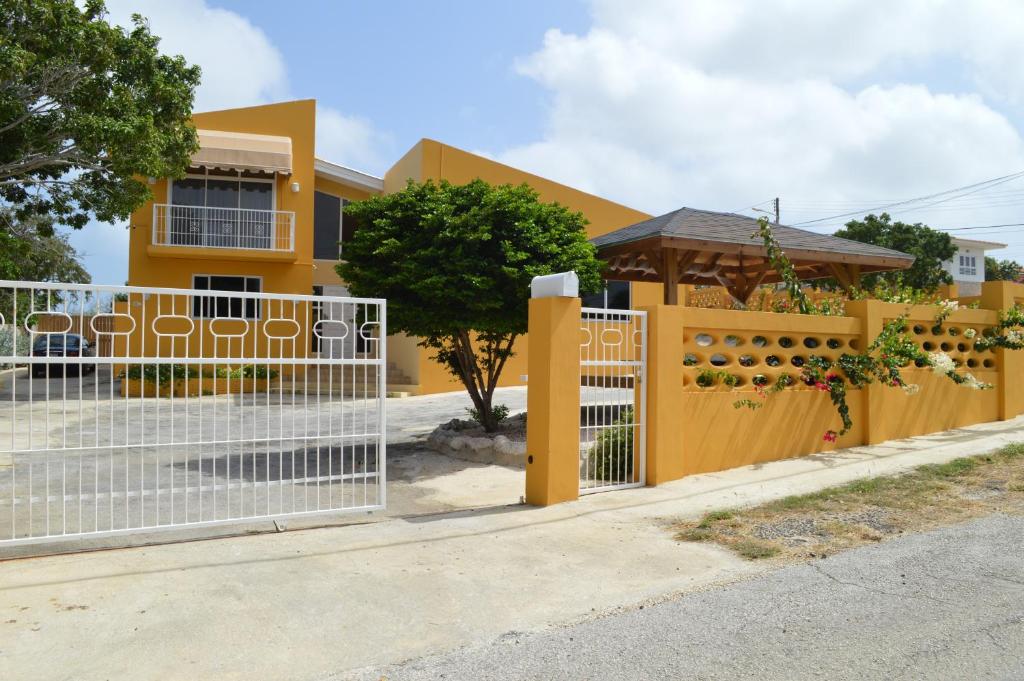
60,345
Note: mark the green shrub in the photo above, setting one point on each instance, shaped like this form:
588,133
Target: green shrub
257,371
611,456
499,412
161,374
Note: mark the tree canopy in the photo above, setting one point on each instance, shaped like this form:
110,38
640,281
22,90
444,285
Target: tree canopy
85,107
455,262
999,270
930,248
33,251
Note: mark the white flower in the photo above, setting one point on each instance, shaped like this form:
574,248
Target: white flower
949,306
970,333
975,384
911,388
1014,336
941,363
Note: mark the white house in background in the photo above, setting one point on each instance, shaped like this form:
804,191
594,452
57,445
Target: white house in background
967,266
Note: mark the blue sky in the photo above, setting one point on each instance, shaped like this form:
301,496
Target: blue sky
418,69
718,104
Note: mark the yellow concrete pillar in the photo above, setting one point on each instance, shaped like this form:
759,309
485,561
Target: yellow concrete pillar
553,402
665,458
870,314
1001,295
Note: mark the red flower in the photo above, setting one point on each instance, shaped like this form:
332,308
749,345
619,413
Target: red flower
821,386
831,377
830,436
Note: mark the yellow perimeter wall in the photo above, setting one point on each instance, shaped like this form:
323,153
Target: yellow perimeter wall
692,429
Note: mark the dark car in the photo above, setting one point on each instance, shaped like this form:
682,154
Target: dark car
59,346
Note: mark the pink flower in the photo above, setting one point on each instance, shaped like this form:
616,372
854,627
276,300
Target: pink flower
821,386
830,436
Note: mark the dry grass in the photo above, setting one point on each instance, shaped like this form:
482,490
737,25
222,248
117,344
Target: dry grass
869,510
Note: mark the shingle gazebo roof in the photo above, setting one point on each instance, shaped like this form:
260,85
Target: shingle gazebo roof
690,246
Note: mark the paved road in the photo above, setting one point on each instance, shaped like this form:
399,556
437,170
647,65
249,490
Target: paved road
947,604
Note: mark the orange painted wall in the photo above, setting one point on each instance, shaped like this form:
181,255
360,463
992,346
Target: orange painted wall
430,159
296,120
692,429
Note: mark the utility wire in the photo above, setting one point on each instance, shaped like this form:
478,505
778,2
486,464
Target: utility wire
966,189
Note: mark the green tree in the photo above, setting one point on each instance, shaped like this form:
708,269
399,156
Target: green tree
85,108
929,247
33,251
1002,270
455,262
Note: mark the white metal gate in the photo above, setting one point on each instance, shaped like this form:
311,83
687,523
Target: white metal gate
613,369
127,409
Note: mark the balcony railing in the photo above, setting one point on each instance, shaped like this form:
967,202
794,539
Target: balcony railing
206,227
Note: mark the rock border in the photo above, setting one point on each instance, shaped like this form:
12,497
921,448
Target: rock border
465,440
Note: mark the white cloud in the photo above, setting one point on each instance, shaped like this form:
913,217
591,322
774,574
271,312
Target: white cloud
241,67
722,103
351,141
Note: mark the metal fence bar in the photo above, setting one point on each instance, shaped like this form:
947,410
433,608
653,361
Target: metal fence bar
184,408
612,372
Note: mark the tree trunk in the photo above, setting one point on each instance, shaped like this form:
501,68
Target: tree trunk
480,384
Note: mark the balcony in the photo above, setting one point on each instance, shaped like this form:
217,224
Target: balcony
203,227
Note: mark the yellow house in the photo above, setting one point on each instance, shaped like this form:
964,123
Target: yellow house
259,211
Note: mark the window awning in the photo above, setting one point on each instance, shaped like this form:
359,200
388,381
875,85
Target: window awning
243,151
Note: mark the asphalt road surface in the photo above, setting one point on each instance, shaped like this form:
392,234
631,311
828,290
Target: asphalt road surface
947,604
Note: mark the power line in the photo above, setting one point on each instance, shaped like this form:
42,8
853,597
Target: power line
966,189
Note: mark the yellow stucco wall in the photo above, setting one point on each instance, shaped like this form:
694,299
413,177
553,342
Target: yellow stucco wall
174,267
430,159
163,266
297,272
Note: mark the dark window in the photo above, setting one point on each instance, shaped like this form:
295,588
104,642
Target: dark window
318,311
615,296
328,229
224,210
225,306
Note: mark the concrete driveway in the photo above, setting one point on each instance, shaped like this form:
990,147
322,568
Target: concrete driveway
94,483
307,605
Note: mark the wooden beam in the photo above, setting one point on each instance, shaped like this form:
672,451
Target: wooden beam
686,259
656,260
709,269
842,274
854,275
670,275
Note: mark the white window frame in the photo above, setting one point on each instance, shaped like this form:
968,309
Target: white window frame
259,302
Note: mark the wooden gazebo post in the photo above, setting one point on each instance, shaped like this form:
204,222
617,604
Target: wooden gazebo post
670,275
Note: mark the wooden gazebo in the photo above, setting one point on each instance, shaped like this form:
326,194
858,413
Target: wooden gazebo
690,246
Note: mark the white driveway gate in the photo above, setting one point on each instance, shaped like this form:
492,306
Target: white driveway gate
613,354
126,409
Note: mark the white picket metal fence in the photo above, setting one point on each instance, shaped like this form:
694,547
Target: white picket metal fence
128,409
213,227
613,412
